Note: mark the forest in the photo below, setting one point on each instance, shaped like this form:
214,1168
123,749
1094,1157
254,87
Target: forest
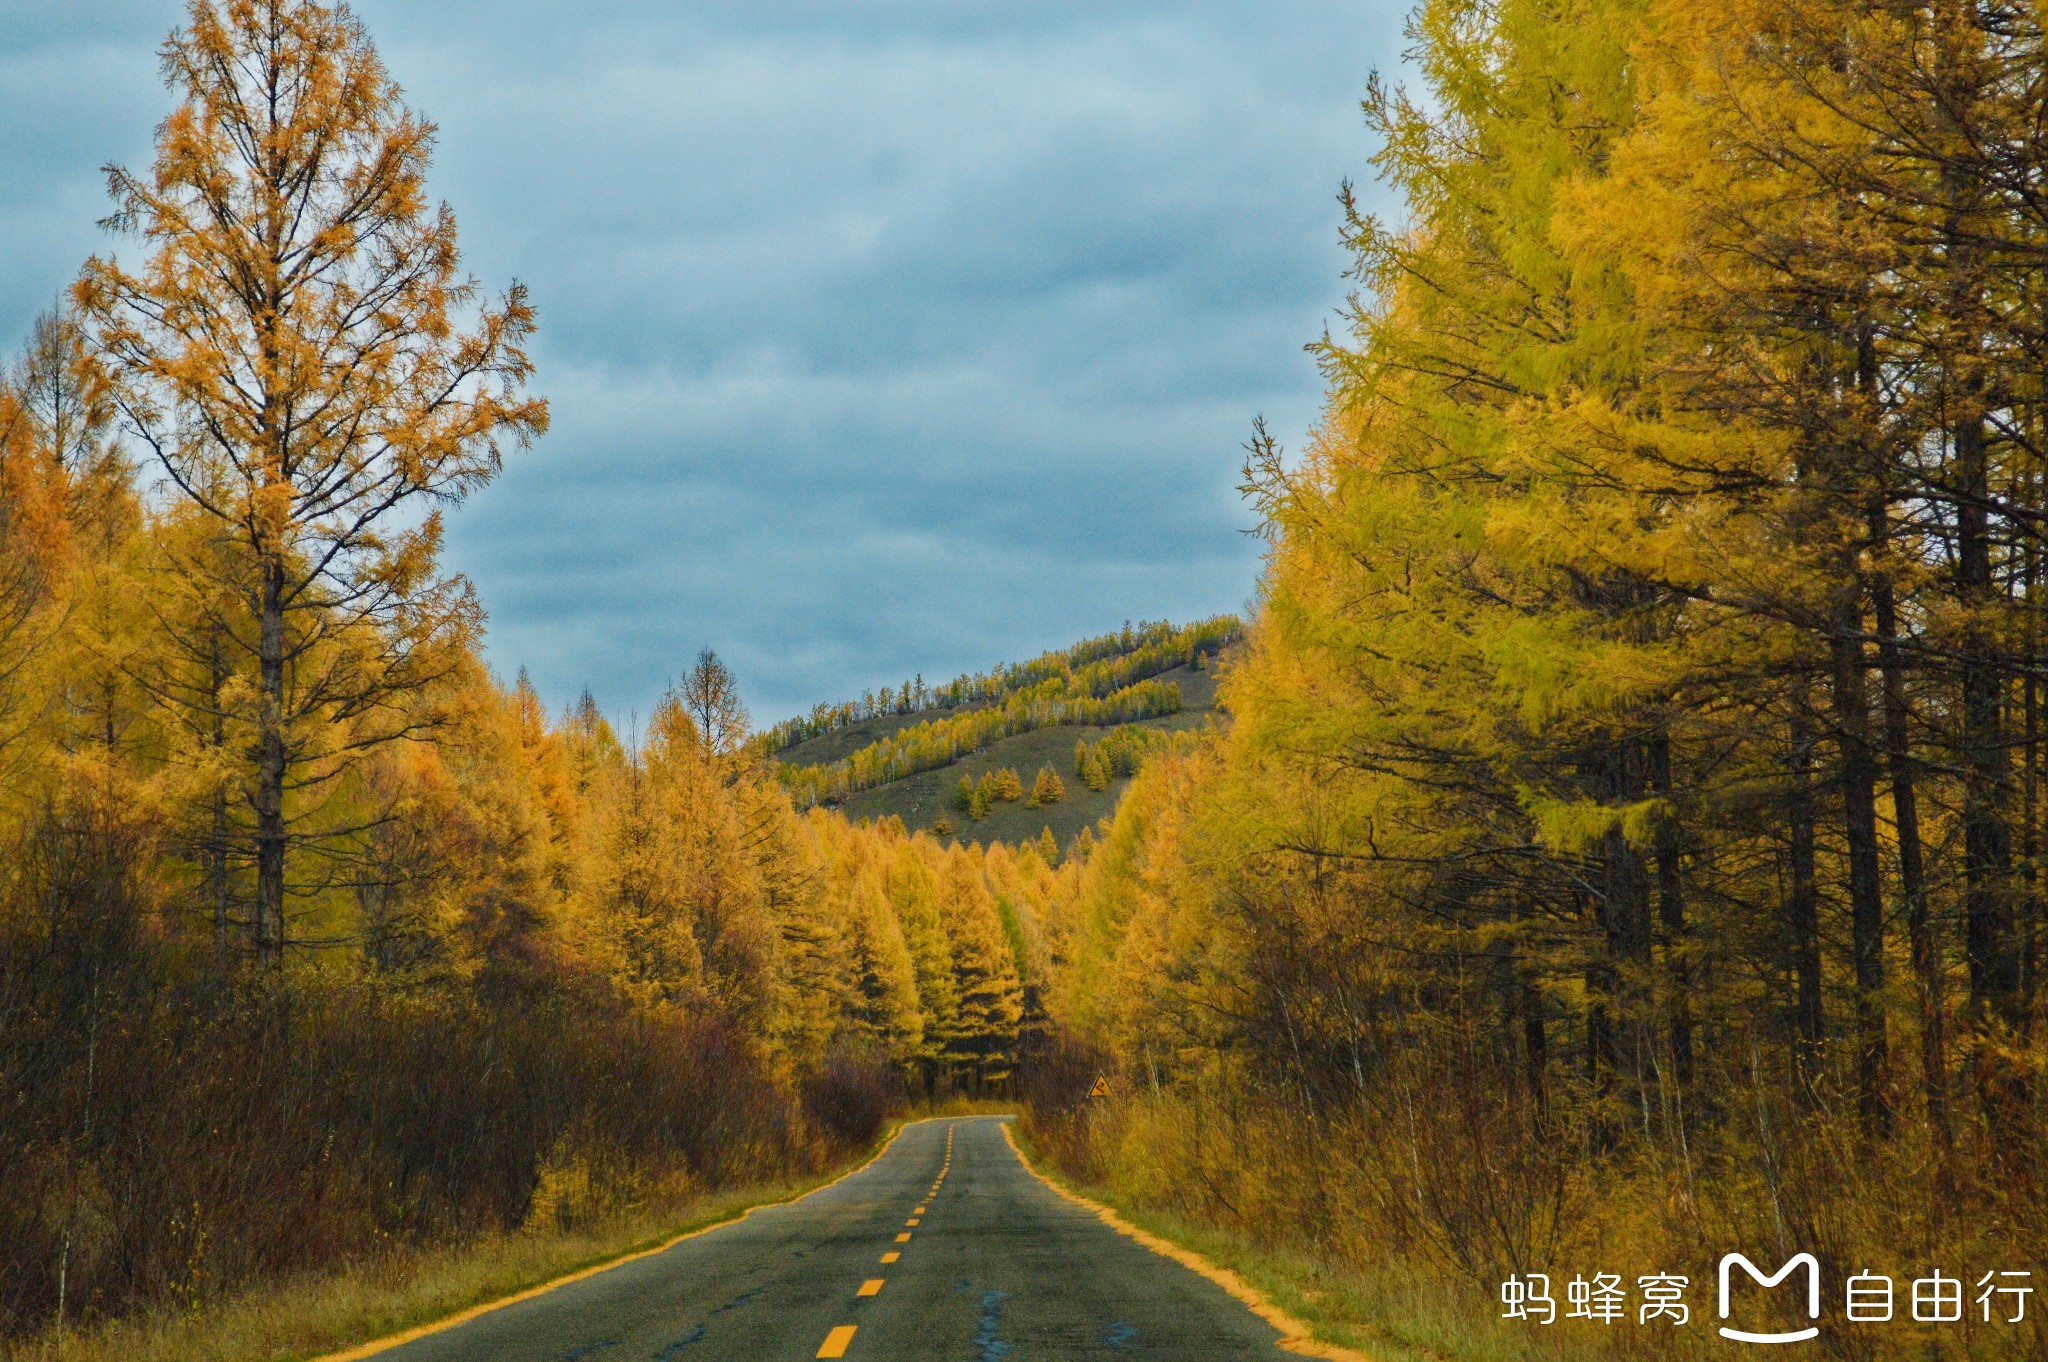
1094,667
1629,843
1626,843
316,939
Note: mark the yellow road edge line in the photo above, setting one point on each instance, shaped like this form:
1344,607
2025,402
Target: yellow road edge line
836,1341
372,1348
1296,1336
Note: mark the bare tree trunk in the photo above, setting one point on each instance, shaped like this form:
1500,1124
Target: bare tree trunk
1671,917
1535,1049
271,831
1857,779
2029,923
1990,925
1802,905
1600,1054
1625,914
1927,965
216,860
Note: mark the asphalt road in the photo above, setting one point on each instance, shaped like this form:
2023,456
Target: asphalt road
945,1248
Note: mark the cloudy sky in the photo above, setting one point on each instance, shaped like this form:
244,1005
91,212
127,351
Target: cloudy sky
880,337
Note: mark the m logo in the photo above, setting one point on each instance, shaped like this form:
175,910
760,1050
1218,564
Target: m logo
1805,1260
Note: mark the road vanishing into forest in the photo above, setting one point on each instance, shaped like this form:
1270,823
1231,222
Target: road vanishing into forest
945,1248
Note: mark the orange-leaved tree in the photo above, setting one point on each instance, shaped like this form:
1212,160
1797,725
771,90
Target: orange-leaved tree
302,355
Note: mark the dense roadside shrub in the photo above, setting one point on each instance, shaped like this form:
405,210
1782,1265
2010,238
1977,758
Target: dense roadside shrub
851,1093
168,1132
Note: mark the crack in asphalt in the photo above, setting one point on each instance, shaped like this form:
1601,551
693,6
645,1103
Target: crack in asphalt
1075,1290
577,1354
696,1335
668,1354
993,1349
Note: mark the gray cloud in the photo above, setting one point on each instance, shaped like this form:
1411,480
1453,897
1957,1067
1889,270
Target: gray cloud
905,336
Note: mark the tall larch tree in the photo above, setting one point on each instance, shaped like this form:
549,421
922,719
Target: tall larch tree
302,355
990,993
882,1000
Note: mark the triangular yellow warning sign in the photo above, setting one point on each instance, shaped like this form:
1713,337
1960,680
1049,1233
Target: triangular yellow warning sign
1101,1088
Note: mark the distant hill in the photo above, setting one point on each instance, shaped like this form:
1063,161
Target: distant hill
903,752
921,799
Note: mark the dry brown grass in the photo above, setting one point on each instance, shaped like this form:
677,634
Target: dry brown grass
315,1314
1311,1214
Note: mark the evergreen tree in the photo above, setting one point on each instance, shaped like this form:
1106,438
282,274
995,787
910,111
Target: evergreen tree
984,971
1046,789
884,1001
913,892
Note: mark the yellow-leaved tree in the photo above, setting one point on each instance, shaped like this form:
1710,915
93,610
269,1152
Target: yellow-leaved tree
302,355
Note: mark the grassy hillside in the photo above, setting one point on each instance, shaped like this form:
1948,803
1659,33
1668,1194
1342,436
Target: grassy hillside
843,742
903,752
919,800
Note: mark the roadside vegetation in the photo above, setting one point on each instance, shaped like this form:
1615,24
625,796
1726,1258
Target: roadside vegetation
1627,846
1381,1308
326,955
293,1318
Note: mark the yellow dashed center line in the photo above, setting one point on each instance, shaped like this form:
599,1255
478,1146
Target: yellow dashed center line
841,1337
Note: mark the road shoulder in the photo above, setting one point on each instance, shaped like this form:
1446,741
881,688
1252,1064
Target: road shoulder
1296,1336
464,1316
